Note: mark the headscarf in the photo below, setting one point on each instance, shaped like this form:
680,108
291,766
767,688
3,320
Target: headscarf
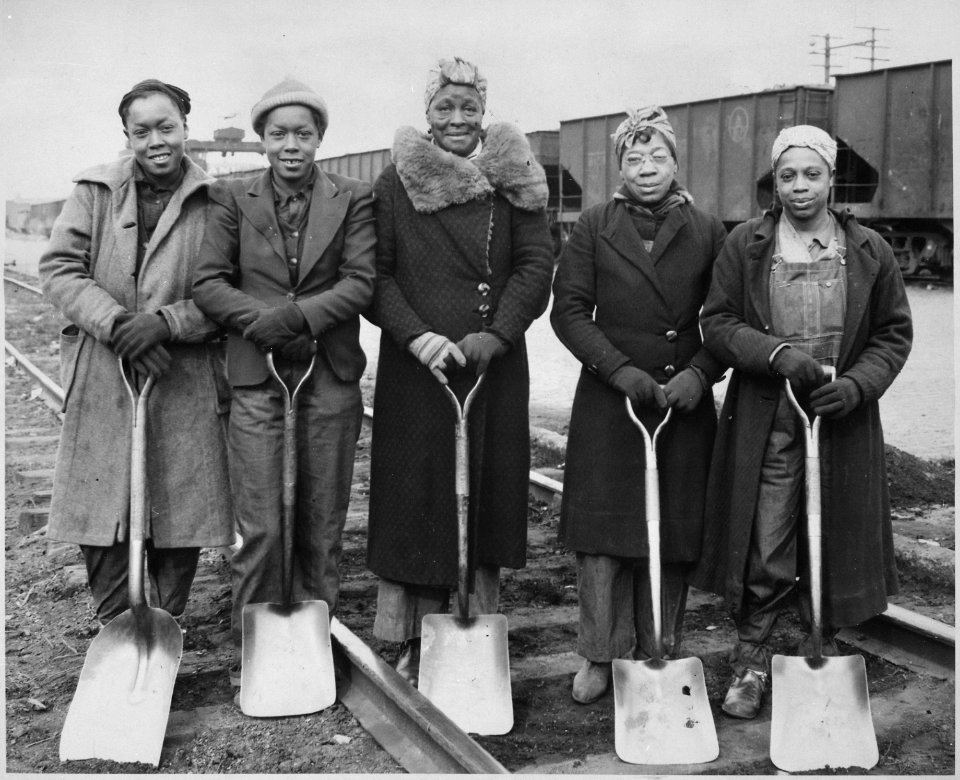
455,71
646,118
179,96
808,136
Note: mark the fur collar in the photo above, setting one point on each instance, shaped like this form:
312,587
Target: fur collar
435,179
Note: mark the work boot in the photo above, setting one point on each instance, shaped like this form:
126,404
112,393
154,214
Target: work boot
746,691
408,663
235,675
591,682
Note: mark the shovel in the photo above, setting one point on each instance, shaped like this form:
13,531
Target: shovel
120,709
821,705
662,713
287,664
464,661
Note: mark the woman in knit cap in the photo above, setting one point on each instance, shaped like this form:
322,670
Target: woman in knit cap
119,267
627,293
797,289
287,265
463,267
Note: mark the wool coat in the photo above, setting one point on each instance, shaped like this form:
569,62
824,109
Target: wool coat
616,304
243,268
88,273
463,247
857,546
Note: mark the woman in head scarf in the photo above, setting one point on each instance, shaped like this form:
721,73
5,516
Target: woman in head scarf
463,268
119,267
797,289
627,294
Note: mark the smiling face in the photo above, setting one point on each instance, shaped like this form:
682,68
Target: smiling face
648,168
156,131
291,139
803,183
454,117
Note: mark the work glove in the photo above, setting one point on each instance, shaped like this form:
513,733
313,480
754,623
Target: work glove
638,386
272,328
437,353
835,399
153,361
684,391
134,333
480,348
301,347
796,365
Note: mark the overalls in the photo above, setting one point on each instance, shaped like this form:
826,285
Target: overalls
808,302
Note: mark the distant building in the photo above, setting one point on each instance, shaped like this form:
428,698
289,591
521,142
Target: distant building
33,215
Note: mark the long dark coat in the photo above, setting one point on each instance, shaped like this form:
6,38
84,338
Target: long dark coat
431,264
858,561
616,304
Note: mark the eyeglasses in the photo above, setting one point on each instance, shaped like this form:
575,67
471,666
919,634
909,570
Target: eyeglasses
639,158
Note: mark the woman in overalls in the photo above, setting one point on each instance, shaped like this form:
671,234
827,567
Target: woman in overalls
800,288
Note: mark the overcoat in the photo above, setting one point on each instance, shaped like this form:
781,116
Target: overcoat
617,304
857,546
88,273
463,246
243,268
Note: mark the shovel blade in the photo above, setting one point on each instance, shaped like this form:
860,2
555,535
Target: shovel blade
465,671
287,660
120,709
821,714
662,713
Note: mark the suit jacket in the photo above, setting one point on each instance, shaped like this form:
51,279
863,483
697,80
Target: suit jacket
243,268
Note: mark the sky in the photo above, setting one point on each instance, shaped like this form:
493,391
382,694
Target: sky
64,64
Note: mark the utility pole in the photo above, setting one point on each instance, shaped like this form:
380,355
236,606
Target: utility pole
873,45
828,48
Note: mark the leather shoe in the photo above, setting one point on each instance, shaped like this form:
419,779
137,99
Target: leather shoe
746,691
408,663
591,682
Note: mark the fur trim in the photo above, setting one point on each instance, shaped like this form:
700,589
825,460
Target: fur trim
435,178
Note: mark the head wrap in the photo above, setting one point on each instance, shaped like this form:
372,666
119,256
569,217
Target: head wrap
288,93
455,71
808,136
179,96
646,118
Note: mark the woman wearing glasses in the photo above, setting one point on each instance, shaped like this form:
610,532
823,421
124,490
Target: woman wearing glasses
628,291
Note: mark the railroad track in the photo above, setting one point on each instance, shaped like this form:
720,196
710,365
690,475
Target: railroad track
906,653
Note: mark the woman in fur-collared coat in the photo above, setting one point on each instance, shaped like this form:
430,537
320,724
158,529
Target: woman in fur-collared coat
464,265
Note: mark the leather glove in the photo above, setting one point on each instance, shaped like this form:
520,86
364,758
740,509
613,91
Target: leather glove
684,391
153,361
437,353
302,348
638,386
836,399
134,333
796,365
272,328
480,348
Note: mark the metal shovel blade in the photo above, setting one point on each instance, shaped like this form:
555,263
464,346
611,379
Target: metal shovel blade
120,709
662,713
287,664
465,671
821,714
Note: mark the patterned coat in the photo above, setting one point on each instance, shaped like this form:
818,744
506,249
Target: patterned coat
616,304
463,246
858,563
87,272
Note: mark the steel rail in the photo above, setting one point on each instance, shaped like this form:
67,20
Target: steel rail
50,391
24,285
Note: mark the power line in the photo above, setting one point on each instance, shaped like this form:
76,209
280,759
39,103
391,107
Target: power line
828,48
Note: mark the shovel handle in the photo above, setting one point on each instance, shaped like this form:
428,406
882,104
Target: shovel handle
289,469
652,494
814,511
138,480
462,461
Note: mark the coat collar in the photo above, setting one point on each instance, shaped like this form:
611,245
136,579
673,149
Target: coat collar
118,174
435,179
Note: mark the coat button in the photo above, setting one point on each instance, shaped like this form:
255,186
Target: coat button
484,309
483,288
669,370
671,335
291,296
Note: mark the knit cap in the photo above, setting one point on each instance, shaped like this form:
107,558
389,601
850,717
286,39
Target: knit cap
289,92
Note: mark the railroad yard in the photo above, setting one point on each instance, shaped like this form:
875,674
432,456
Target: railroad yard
49,625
